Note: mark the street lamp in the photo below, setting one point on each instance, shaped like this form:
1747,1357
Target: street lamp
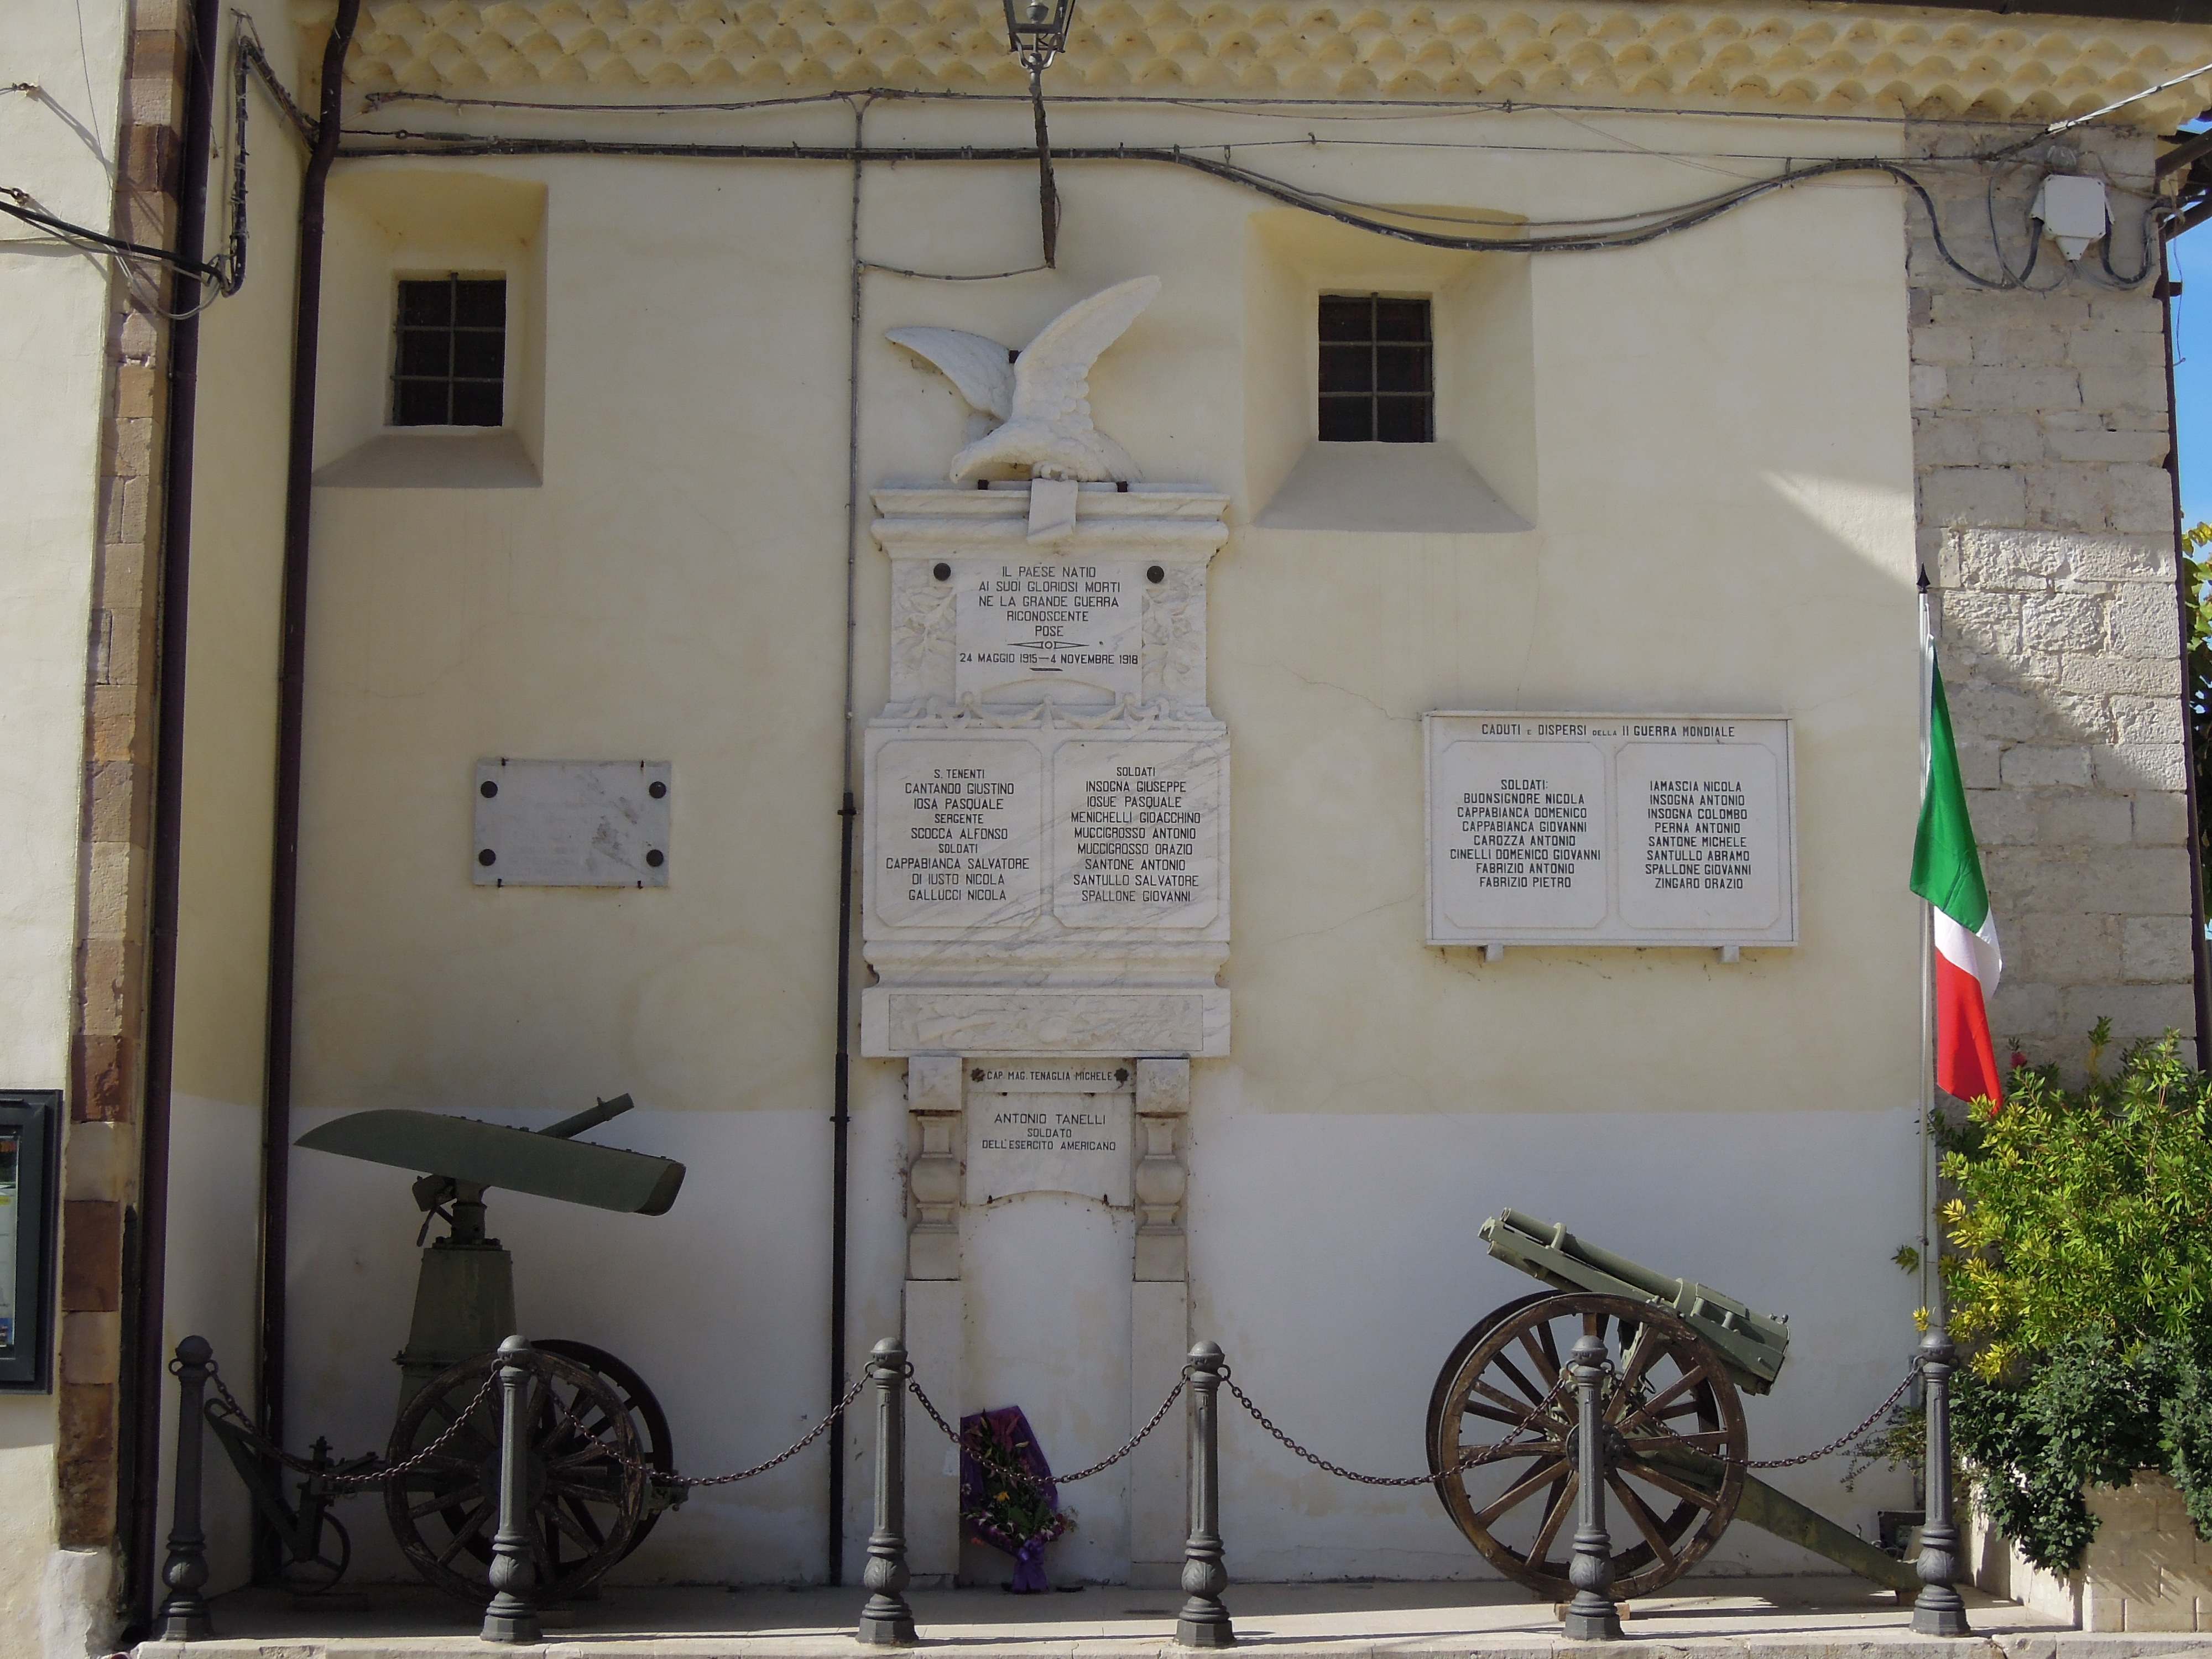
1037,33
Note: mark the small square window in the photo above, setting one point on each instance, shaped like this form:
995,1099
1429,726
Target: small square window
449,363
1377,380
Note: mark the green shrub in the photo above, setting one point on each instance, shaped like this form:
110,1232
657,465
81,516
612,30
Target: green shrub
2083,1227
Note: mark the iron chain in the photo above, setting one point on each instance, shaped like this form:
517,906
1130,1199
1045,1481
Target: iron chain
693,1482
389,1471
1842,1440
1490,1453
1023,1477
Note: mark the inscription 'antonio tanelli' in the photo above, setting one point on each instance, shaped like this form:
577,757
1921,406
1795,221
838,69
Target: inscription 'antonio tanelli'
1610,830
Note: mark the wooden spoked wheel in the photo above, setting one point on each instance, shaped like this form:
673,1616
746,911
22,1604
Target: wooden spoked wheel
1668,1392
645,1416
586,1477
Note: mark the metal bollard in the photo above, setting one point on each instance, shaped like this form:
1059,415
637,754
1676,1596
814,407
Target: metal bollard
1205,1621
1591,1616
512,1614
1940,1610
184,1614
886,1621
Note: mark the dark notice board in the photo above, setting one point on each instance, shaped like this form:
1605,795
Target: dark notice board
30,1199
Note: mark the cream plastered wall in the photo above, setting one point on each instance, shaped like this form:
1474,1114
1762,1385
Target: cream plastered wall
227,809
1721,491
59,142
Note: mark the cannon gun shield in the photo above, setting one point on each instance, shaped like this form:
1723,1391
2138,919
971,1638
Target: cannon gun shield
549,1164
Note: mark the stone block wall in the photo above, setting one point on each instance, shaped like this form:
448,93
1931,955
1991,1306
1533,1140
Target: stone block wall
2046,524
2146,1570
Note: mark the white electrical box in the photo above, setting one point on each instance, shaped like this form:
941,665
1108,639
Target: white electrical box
2072,207
571,823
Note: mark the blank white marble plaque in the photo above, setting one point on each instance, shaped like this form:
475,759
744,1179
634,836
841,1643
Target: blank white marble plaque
1137,832
958,837
1047,627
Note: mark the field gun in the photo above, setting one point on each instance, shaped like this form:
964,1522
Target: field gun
597,1435
1682,1353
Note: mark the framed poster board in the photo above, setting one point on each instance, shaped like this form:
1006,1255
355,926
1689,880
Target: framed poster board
30,1165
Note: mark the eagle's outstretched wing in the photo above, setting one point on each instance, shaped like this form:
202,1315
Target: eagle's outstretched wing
976,366
1052,377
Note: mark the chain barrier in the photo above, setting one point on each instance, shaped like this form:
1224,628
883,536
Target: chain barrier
1022,1477
693,1482
1491,1452
268,1447
1497,1451
230,1407
1841,1441
1476,1456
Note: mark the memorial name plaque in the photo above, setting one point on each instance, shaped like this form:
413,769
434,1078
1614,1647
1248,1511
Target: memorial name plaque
1070,629
1137,832
958,833
1050,1126
1610,830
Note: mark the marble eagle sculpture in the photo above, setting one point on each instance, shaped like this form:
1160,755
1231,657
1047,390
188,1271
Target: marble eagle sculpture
1042,400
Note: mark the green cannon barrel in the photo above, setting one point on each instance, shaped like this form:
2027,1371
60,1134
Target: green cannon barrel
1752,1346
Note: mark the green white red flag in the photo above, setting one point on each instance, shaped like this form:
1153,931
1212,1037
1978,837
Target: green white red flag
1946,872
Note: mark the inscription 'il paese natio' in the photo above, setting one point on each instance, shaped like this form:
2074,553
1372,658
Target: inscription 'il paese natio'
1068,629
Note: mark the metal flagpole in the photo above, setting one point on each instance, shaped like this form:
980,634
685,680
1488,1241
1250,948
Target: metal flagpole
1931,1289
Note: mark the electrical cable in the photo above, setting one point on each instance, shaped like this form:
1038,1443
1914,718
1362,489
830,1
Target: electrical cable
225,275
1408,109
946,276
17,204
1660,222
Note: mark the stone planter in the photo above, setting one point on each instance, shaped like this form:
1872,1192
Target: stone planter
2146,1570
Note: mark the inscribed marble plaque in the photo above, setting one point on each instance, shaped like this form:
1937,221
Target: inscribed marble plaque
1698,835
1066,631
1610,830
1066,1128
957,832
1137,832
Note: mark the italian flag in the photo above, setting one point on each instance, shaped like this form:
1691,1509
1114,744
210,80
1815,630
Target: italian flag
1946,872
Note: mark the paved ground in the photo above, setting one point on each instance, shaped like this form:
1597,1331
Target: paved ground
1764,1619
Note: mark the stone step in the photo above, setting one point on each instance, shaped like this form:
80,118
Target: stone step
1807,1618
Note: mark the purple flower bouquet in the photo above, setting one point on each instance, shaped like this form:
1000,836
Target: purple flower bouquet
1019,1516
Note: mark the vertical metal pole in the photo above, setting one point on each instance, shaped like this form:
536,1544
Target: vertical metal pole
512,1615
1205,1621
886,1621
183,1615
1591,1616
1940,1610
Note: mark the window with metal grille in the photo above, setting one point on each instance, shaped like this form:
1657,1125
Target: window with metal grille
450,366
1376,385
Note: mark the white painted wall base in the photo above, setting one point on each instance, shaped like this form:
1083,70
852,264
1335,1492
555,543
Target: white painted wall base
934,1328
1159,1341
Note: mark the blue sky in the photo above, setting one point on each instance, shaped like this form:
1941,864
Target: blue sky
2192,373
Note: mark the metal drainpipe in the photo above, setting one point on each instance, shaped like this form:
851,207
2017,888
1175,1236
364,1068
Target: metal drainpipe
284,858
2201,991
149,1352
841,1116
